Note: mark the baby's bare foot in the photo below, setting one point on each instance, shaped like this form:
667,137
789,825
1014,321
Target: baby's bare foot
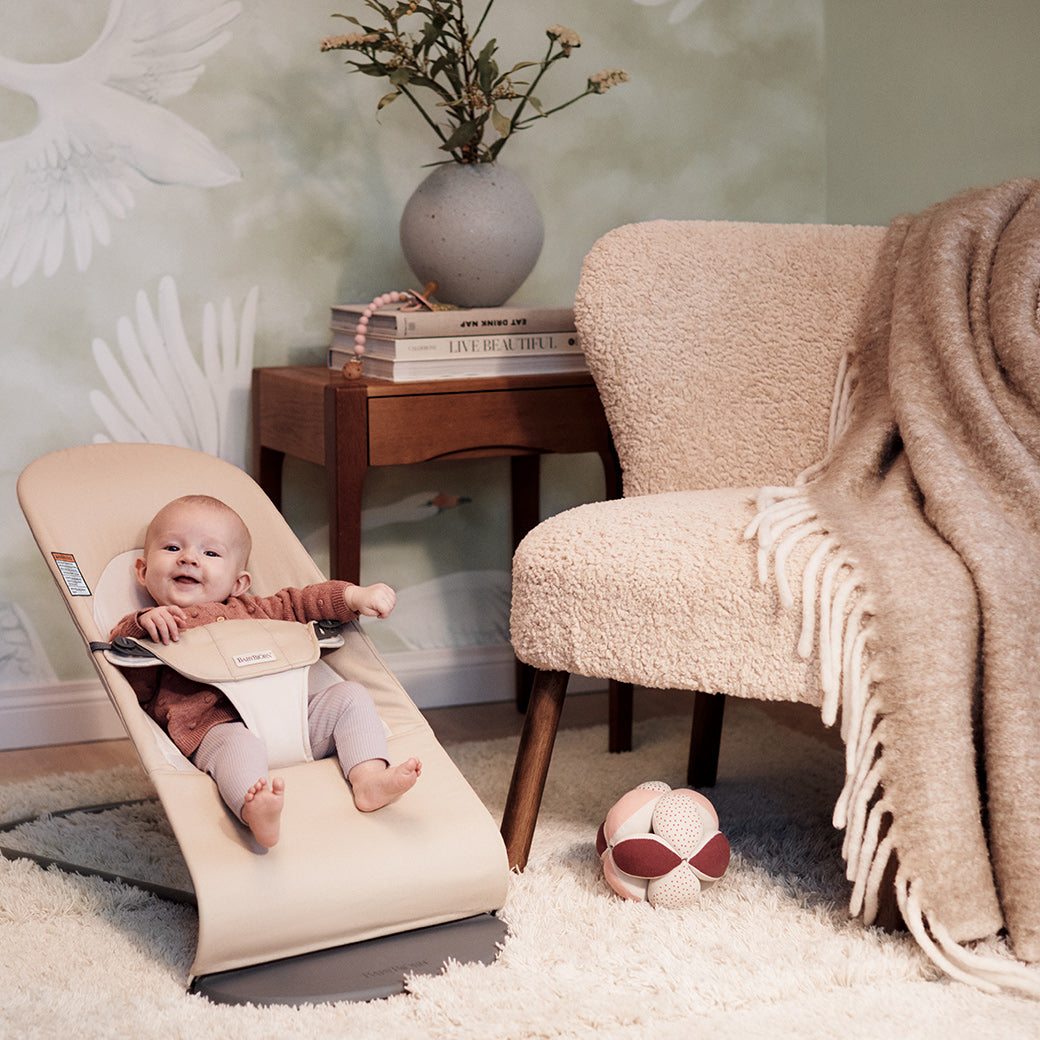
376,784
262,810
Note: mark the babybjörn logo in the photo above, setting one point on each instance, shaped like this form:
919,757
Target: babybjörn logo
260,657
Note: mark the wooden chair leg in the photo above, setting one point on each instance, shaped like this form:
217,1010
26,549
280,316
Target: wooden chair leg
705,738
532,765
524,675
620,716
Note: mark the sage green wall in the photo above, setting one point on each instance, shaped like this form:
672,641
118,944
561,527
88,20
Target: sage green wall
723,118
926,97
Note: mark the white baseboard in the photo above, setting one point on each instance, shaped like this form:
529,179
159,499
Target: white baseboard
77,712
58,713
465,675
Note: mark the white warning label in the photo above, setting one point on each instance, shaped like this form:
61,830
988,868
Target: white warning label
74,580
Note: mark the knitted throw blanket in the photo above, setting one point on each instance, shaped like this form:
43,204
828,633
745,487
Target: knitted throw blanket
923,591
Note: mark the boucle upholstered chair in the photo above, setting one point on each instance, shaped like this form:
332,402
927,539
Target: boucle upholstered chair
716,349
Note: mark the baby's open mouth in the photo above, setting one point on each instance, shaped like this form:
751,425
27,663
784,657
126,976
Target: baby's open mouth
186,579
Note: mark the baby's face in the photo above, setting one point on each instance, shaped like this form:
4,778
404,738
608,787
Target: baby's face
194,555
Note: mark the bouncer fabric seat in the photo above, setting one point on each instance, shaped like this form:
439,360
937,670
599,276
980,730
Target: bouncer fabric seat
337,876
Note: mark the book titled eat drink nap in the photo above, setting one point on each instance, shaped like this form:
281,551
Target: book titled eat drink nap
393,322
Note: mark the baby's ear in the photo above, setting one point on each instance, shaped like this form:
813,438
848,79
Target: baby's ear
140,569
242,583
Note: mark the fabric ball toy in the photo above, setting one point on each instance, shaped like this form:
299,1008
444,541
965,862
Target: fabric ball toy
661,845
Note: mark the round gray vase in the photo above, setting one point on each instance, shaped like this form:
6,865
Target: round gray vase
475,229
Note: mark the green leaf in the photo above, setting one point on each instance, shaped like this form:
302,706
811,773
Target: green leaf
369,70
488,52
487,68
462,135
422,81
387,98
433,30
500,122
399,77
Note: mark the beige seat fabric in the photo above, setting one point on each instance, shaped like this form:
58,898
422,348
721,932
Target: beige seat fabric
663,567
337,875
716,348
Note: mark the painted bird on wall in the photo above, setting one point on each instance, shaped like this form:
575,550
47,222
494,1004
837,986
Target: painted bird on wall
102,131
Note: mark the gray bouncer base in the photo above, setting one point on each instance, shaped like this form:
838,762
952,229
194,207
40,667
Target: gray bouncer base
361,971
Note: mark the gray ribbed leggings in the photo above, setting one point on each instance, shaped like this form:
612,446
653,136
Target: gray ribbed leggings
341,719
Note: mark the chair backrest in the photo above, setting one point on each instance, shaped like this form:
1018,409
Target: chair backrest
715,345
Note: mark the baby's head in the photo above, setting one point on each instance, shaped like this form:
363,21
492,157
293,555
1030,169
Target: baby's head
195,551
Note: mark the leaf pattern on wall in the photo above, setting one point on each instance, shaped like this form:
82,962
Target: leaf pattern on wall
102,131
160,393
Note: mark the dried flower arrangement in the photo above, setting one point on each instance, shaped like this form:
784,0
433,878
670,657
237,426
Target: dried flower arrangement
427,46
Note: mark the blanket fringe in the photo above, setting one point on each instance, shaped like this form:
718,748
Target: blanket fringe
837,614
836,622
988,973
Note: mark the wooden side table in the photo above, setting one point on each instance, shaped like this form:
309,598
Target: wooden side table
350,425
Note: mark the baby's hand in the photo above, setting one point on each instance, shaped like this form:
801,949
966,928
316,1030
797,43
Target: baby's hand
372,600
163,624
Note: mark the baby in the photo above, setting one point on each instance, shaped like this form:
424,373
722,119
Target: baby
194,568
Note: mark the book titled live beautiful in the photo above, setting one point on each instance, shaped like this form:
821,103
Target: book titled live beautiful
531,344
408,370
393,322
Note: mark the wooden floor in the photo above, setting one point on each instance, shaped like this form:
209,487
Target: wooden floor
470,722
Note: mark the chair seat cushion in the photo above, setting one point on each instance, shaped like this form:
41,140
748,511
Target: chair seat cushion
662,591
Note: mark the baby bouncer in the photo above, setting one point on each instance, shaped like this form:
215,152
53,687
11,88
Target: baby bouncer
347,903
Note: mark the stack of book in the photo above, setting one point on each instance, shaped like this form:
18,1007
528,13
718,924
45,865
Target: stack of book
413,345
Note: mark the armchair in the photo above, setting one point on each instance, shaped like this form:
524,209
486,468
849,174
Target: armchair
716,349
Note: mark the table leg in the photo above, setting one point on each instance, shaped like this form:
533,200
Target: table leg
525,498
612,476
620,697
267,463
346,462
267,466
525,491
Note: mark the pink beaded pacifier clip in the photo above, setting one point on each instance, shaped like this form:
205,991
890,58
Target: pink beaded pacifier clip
414,301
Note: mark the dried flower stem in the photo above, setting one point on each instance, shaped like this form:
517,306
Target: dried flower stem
466,83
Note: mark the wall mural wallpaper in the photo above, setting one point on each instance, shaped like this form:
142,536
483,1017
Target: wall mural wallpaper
164,391
680,10
186,186
103,131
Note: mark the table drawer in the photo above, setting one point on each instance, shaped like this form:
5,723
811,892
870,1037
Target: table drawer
429,426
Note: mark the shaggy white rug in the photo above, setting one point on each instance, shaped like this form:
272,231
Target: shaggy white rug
770,951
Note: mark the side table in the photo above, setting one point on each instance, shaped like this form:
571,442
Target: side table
350,425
